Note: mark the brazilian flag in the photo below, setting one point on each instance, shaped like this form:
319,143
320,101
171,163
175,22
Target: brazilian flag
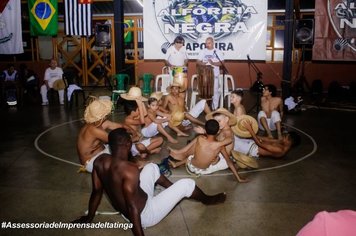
128,34
43,17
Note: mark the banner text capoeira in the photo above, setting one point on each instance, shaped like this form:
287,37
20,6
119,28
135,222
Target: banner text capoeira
238,27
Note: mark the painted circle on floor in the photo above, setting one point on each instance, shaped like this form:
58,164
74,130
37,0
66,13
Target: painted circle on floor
175,175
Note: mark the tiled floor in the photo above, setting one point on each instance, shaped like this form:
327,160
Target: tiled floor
281,197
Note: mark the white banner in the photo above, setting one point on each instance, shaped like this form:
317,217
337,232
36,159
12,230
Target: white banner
10,28
238,26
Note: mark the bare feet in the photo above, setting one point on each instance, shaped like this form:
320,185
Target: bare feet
181,134
143,155
141,163
156,150
172,163
242,180
188,127
172,140
214,199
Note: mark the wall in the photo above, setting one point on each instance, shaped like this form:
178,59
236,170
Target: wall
245,77
272,72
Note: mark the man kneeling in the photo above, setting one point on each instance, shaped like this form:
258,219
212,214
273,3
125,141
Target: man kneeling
132,192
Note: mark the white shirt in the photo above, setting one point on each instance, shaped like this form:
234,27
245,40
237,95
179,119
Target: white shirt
175,57
53,75
11,77
207,54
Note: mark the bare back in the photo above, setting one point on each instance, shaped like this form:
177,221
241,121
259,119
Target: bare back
206,152
224,134
90,141
120,180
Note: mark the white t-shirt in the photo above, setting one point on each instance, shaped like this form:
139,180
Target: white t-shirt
53,75
175,57
207,54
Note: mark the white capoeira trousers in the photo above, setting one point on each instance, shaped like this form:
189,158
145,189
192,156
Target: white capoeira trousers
157,207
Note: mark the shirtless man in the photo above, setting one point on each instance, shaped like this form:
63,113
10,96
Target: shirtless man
175,101
93,136
131,192
236,101
269,147
156,121
270,117
135,117
225,120
205,155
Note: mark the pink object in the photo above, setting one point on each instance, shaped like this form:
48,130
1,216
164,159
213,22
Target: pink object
341,223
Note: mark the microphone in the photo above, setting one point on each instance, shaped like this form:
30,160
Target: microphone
165,47
248,59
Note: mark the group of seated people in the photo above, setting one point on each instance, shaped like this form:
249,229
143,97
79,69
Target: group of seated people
23,85
17,83
236,135
226,140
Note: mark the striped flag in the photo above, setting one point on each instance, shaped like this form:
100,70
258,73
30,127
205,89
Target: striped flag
78,17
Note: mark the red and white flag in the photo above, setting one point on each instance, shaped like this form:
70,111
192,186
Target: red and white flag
10,27
78,17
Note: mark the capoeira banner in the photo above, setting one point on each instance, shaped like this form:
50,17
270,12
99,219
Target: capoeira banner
335,30
238,27
10,27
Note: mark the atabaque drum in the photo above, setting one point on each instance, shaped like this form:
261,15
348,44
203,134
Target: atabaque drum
205,81
180,75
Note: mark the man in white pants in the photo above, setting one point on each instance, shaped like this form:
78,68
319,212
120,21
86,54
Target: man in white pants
132,193
211,56
53,75
270,116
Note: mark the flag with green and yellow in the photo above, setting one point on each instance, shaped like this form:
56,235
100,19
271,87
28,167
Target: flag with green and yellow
43,17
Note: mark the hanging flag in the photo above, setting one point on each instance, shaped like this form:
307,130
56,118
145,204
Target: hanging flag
43,17
10,27
78,17
128,34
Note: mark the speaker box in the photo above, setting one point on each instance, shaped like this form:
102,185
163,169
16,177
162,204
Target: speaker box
304,32
102,35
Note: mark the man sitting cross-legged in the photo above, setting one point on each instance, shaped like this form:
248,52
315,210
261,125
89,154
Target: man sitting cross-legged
204,154
136,112
175,102
270,117
131,192
156,121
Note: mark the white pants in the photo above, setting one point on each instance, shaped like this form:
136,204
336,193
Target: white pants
134,150
220,165
44,91
216,96
271,122
152,129
89,163
246,146
195,111
157,207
